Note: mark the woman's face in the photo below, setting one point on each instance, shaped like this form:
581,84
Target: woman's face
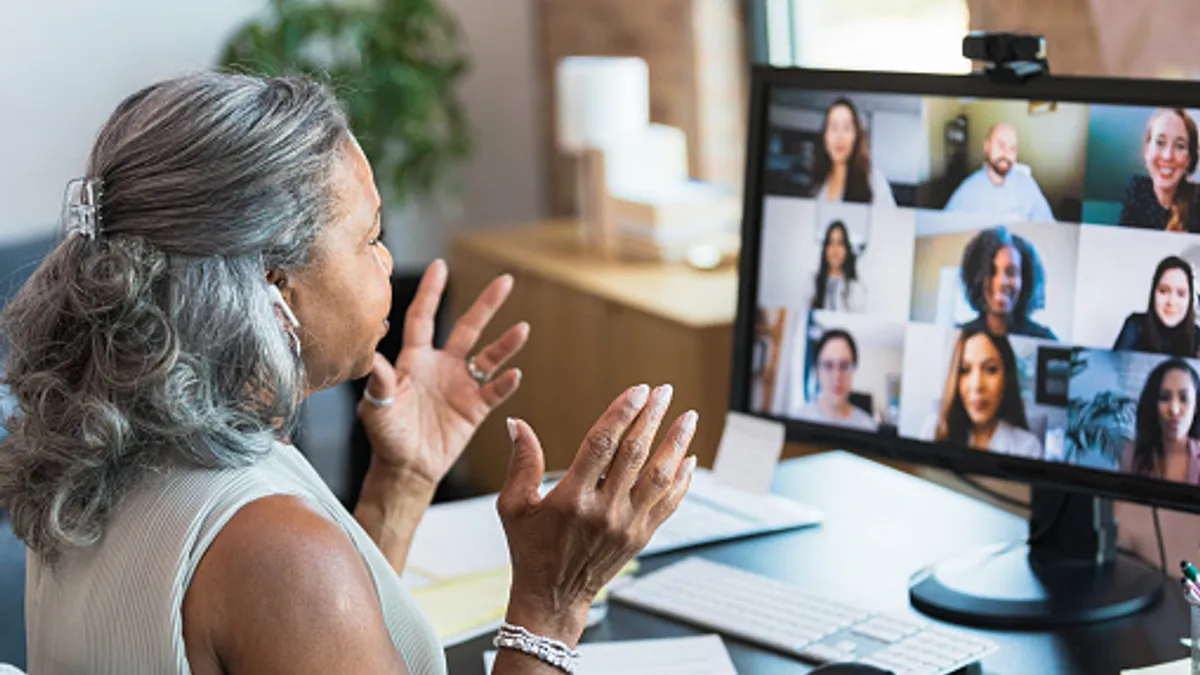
1166,152
835,370
840,134
981,379
343,298
835,249
1176,404
1004,287
1171,297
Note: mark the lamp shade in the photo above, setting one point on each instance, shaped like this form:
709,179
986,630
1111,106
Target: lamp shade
601,100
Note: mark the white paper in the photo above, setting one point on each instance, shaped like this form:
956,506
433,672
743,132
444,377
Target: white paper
748,452
712,512
698,655
459,538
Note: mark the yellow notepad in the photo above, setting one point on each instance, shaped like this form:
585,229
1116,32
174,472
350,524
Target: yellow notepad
469,606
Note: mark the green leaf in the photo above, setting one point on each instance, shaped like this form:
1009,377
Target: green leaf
396,66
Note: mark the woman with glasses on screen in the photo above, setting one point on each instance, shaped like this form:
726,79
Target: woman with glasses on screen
1167,435
837,286
835,360
1168,326
1004,280
981,402
842,170
1165,199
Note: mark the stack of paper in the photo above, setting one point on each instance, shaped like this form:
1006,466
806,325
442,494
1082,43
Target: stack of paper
700,655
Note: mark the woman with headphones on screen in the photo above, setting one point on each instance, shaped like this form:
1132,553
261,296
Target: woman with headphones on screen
842,170
837,286
1167,434
835,358
1168,326
1165,199
1004,280
981,401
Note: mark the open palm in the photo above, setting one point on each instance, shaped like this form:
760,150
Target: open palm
436,404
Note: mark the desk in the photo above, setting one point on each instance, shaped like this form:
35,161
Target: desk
881,526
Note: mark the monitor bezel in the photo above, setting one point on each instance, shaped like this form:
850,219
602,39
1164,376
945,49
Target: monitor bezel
1085,90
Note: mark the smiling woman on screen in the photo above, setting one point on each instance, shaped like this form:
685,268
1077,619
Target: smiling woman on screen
223,261
1165,198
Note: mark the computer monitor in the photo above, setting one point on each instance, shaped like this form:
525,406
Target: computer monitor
1005,271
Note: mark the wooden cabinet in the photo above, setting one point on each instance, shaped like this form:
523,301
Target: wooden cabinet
597,328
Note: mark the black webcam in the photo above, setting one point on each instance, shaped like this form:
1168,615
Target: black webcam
1010,58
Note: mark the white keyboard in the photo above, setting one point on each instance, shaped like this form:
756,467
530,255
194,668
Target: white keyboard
783,617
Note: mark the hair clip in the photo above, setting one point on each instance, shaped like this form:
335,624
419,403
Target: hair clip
81,207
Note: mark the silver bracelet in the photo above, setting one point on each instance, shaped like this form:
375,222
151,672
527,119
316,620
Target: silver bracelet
545,649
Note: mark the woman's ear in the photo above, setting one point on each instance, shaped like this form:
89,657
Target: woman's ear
279,280
282,293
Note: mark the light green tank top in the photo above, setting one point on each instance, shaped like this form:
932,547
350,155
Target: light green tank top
114,608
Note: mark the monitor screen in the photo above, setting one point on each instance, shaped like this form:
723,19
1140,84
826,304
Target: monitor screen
995,277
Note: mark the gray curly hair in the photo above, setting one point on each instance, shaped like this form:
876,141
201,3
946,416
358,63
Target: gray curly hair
156,343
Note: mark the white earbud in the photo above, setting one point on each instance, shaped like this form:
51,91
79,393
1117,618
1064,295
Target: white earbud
283,306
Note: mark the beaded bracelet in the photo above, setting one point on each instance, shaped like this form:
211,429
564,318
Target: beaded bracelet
545,649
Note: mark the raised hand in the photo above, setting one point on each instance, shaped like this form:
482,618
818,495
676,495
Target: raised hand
567,545
433,403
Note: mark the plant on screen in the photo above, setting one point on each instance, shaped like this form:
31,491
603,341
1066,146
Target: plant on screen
1098,424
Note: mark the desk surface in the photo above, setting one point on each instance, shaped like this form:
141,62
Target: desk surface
881,526
554,250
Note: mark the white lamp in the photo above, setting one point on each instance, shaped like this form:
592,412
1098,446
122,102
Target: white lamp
602,101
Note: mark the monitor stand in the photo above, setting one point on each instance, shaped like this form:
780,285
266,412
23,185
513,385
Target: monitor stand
1068,572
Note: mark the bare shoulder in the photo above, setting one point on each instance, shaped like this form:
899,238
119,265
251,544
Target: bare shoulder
283,589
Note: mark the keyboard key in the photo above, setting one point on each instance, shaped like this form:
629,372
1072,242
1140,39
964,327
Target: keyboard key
822,653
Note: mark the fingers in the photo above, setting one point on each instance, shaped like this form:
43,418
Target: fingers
472,323
672,497
420,319
495,355
599,446
635,448
381,385
658,478
525,469
500,389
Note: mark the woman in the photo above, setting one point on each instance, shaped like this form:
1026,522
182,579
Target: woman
1168,326
837,286
842,170
835,360
1003,280
1165,199
981,401
1167,436
224,261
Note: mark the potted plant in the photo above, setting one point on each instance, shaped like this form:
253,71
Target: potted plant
1097,424
395,64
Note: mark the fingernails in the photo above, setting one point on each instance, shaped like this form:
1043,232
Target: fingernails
662,396
512,428
519,374
689,421
639,395
691,465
